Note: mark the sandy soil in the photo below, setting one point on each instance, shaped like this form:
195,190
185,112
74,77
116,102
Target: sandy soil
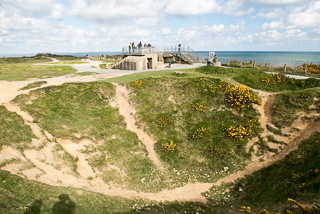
41,163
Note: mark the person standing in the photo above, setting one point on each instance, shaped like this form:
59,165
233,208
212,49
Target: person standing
179,47
133,47
215,59
130,48
169,63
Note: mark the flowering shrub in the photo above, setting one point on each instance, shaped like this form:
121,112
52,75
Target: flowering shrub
276,79
138,83
246,210
312,68
238,132
305,209
169,146
163,121
206,85
197,107
303,95
238,97
301,181
199,133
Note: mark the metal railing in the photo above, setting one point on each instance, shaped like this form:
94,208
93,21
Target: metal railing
184,52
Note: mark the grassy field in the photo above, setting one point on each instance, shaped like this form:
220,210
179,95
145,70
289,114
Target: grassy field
15,72
194,118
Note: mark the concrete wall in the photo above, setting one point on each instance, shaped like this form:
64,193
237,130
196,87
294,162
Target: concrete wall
138,62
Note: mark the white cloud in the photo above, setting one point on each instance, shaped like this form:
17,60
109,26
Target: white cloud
185,8
274,25
111,11
236,8
32,8
276,13
306,17
278,2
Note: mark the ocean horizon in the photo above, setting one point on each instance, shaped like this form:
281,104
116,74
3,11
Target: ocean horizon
276,58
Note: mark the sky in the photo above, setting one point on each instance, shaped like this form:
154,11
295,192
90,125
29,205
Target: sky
69,26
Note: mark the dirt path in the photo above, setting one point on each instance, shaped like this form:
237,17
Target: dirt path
121,101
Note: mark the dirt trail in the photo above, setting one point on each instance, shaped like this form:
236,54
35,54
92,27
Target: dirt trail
121,101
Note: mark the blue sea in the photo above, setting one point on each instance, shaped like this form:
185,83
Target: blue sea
276,58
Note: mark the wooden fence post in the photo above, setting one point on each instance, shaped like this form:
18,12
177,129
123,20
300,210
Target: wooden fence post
269,66
305,68
285,68
228,62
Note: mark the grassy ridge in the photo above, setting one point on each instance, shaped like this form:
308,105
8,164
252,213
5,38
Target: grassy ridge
13,131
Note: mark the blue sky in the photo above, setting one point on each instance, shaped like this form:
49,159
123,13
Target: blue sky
33,26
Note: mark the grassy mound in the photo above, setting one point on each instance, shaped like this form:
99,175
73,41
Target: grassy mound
186,112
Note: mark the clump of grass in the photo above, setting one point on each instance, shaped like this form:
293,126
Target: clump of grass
34,85
274,130
13,131
273,140
263,147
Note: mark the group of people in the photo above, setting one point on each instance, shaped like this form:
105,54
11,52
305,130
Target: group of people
210,61
139,46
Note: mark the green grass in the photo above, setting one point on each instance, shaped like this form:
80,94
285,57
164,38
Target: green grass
286,105
34,85
189,73
15,72
13,131
17,195
69,60
252,77
24,60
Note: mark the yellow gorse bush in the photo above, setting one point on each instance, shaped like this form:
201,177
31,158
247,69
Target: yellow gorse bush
162,122
240,97
197,107
169,146
138,84
206,85
276,79
246,210
238,132
199,133
303,95
314,209
311,68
